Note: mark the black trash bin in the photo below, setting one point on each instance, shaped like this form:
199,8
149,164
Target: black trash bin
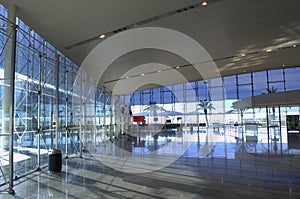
55,160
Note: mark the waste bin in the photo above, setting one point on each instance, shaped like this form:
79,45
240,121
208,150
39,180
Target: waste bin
55,160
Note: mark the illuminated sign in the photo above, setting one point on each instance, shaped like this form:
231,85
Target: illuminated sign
138,118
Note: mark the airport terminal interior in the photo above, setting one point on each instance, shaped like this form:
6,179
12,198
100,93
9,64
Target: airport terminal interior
149,99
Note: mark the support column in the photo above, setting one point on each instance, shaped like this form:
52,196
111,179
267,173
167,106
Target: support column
66,108
104,115
8,92
95,116
81,114
268,130
111,129
280,133
57,100
39,112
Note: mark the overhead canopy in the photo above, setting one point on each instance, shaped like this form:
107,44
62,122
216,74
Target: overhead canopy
289,98
239,36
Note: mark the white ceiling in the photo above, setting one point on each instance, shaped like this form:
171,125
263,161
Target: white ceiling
225,28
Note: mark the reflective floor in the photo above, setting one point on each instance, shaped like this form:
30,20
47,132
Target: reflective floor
224,168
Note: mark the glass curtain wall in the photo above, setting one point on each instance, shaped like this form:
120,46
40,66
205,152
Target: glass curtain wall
50,111
222,92
229,88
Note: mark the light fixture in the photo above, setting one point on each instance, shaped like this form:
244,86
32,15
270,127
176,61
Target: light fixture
177,67
243,55
204,3
102,36
142,74
294,45
269,50
159,71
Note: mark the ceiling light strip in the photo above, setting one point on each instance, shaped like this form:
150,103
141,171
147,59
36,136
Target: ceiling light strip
142,22
203,62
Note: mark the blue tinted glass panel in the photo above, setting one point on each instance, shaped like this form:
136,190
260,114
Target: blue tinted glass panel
202,90
131,100
156,95
167,97
278,85
244,79
260,82
230,87
3,11
202,85
216,82
178,87
202,94
275,75
178,92
146,98
175,98
216,93
193,84
136,98
191,95
244,91
292,78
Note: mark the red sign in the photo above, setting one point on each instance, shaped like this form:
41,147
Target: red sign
138,118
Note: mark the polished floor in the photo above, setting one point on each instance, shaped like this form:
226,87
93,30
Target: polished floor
221,169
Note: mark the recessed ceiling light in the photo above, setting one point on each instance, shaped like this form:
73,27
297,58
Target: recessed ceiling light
102,36
283,65
243,55
177,67
269,50
142,74
204,3
294,45
159,71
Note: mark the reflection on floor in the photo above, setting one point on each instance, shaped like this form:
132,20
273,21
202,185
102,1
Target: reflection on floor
224,168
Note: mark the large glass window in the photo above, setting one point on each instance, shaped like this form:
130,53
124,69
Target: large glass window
260,82
230,87
146,97
178,92
51,98
278,86
275,75
156,95
292,78
245,91
168,97
202,90
136,98
244,79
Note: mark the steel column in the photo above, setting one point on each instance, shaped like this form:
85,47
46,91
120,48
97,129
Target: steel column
8,100
81,114
268,130
41,71
66,108
57,100
95,115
